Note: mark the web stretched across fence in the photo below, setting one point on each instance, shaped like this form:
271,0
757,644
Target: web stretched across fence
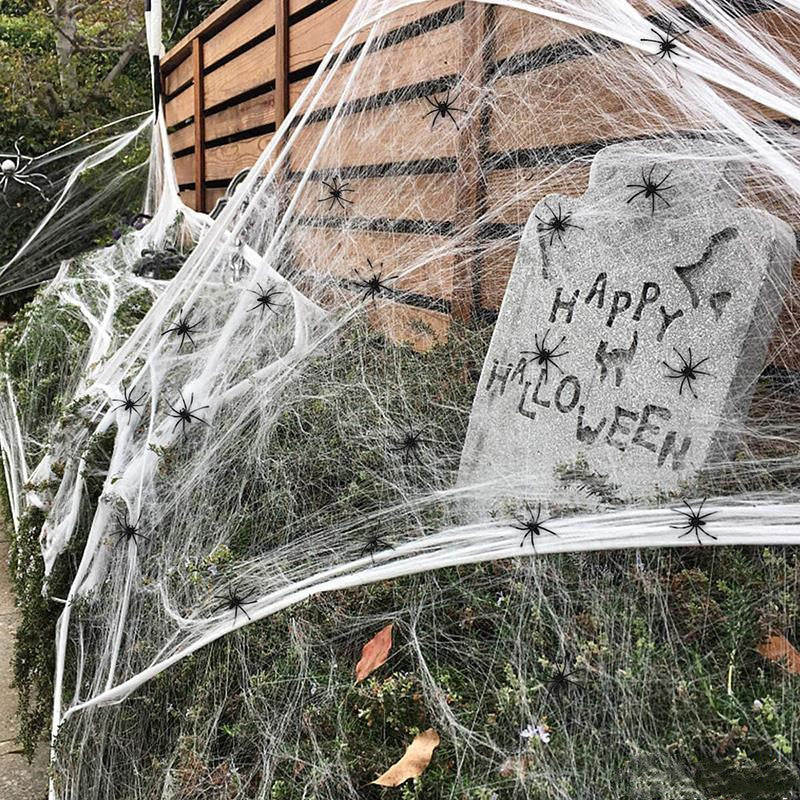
233,436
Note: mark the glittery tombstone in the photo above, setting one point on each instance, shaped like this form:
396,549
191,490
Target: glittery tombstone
632,332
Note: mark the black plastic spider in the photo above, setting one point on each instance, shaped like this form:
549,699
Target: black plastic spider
373,545
557,224
687,372
442,108
695,522
409,444
186,414
265,298
534,525
546,356
159,264
184,328
128,531
650,189
561,679
128,402
373,285
233,601
667,42
335,193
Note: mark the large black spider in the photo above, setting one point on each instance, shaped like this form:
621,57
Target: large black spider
335,193
265,298
687,371
695,522
561,679
184,328
186,414
546,356
233,601
373,545
557,224
128,402
667,42
534,525
373,285
159,264
651,189
443,108
408,444
128,531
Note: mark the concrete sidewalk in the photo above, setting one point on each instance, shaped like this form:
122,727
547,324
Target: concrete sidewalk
18,779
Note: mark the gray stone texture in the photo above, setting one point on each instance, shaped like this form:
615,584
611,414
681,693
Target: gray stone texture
620,296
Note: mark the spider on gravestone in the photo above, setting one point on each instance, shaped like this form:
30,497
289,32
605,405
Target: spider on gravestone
533,525
128,402
443,108
688,371
557,224
265,298
373,285
335,193
409,444
234,601
373,545
14,167
651,189
695,522
186,414
184,328
546,356
128,531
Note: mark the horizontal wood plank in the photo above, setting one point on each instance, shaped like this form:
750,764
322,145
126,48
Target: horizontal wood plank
402,324
182,138
311,38
250,114
252,68
179,77
223,162
239,31
180,108
184,169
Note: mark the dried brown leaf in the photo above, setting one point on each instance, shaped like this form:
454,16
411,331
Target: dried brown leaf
779,648
374,653
414,761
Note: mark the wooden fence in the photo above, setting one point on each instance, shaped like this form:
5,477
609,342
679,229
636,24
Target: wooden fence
413,187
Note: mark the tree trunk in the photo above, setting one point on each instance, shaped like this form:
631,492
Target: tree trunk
66,29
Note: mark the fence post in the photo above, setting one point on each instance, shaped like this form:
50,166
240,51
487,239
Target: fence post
476,57
281,61
199,126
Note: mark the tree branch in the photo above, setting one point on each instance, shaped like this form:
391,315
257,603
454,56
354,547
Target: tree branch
127,54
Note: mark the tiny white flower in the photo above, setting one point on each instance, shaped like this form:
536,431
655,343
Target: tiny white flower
536,732
757,705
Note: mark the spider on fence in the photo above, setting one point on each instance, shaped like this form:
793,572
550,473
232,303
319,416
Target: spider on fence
15,167
443,108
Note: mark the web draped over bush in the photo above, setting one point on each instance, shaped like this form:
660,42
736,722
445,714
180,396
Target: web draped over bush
236,442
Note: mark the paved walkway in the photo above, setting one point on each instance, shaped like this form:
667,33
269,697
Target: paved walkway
18,779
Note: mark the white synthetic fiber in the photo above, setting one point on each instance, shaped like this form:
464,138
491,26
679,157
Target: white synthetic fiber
288,487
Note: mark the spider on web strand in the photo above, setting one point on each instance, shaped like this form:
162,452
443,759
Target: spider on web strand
265,298
336,193
651,189
409,445
128,531
184,328
546,356
14,167
374,545
688,371
695,522
560,680
533,525
556,225
128,403
232,600
667,46
186,414
442,108
374,285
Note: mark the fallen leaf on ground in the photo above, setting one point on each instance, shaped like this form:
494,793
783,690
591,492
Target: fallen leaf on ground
374,653
779,648
414,761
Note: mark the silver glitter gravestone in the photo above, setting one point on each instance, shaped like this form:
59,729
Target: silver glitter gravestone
634,326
